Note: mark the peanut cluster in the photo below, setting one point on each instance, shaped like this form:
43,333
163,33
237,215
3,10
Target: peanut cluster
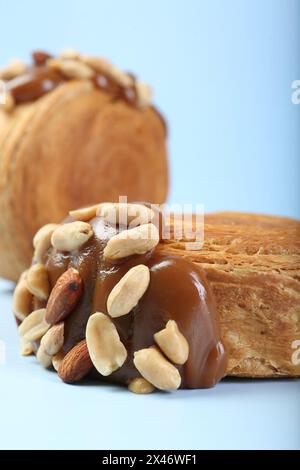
42,330
71,65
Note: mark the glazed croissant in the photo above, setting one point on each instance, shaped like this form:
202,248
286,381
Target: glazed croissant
73,130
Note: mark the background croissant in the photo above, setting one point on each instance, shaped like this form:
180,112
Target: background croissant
74,130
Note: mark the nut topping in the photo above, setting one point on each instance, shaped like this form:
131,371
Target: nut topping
144,94
53,340
84,214
42,240
155,368
101,65
124,213
76,363
22,299
57,360
172,343
34,326
9,102
106,350
37,281
71,68
72,236
64,296
135,241
40,57
128,291
69,53
122,78
43,358
15,68
26,348
140,386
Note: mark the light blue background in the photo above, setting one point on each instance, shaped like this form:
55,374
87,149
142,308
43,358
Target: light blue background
38,411
222,73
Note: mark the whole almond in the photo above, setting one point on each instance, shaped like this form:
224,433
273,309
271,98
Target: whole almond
37,281
76,363
69,237
40,57
64,296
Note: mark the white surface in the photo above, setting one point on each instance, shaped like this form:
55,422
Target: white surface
38,411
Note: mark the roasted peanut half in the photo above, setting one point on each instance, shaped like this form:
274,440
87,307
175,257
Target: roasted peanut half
26,348
125,213
144,95
69,53
140,386
53,340
15,68
172,343
72,236
85,213
71,68
135,241
22,299
38,282
106,350
42,240
128,291
34,326
155,368
43,358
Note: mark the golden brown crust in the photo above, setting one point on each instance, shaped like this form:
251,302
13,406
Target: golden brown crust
253,263
72,147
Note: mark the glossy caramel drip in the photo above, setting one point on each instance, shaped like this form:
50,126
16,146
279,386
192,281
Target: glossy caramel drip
178,290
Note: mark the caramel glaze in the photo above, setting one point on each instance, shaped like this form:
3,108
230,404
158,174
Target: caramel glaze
178,290
40,79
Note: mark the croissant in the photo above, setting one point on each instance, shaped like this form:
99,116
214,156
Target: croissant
252,263
73,130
